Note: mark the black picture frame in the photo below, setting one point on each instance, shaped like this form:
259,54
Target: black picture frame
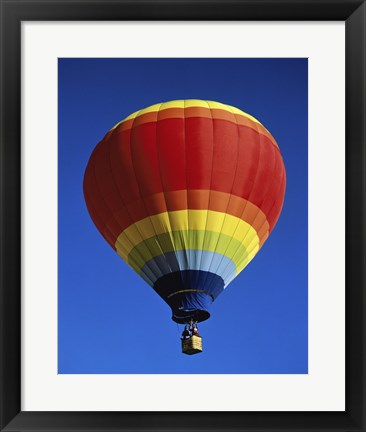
13,12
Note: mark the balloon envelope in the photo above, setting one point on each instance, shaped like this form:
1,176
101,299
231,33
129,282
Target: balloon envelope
186,192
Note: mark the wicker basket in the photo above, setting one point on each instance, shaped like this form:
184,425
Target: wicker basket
193,345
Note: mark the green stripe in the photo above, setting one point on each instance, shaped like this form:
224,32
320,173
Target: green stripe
186,240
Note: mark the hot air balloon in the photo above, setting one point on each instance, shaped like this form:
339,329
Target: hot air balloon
186,192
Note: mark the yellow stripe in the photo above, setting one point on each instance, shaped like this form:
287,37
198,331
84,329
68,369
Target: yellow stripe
189,103
232,248
184,220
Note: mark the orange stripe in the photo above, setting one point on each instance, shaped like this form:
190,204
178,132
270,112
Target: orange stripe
199,200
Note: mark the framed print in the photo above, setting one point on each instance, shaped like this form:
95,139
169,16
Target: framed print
182,215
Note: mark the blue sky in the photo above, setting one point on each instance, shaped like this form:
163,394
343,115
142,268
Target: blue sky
110,320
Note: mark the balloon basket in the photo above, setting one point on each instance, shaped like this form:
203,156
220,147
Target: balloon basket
193,345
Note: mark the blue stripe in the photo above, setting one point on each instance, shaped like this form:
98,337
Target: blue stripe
189,293
181,260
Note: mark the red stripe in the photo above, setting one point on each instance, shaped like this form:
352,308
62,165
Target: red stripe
124,173
265,172
145,160
226,148
274,213
171,149
199,112
247,161
199,136
98,211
